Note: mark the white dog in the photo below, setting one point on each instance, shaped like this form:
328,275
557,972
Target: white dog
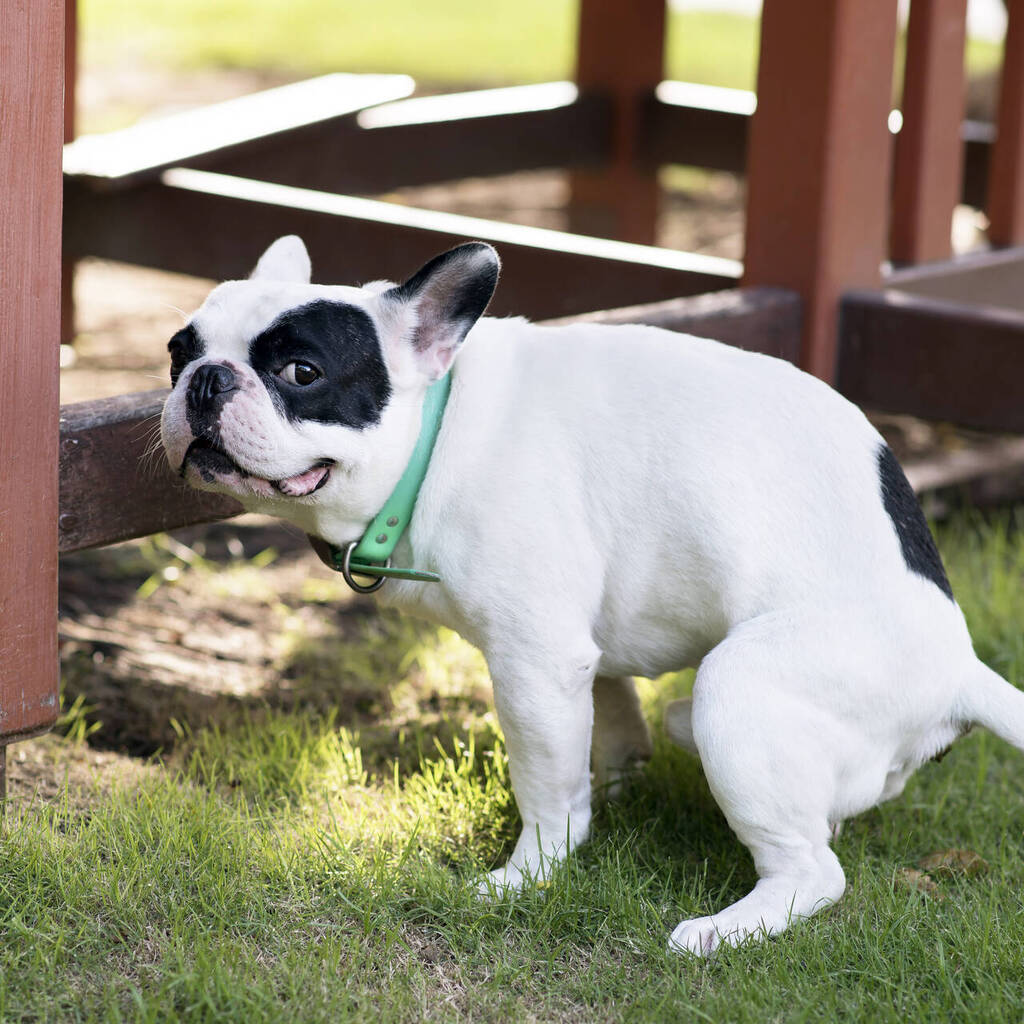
602,502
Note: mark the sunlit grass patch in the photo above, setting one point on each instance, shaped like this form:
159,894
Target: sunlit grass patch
290,861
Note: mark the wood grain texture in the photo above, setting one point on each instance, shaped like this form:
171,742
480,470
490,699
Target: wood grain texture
114,480
31,135
933,358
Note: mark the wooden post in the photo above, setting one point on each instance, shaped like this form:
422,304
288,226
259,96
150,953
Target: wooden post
620,55
67,282
928,166
818,163
1006,174
31,113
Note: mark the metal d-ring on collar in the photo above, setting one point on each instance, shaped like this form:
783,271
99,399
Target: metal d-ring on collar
371,555
346,571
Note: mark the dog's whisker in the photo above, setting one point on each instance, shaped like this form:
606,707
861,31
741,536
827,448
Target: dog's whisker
174,309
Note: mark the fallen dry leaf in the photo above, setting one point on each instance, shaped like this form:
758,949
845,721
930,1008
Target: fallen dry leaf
950,863
919,881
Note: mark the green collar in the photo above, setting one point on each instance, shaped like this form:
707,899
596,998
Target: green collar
371,556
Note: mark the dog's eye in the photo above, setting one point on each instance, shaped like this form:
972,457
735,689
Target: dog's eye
300,373
179,360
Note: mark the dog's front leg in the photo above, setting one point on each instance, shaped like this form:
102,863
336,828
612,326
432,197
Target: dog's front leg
545,708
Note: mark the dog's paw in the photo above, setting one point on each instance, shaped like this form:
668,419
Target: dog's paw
508,881
500,883
698,937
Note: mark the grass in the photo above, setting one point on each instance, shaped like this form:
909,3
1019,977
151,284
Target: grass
283,864
447,43
451,42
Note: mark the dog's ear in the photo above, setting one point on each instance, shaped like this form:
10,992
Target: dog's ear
285,260
438,305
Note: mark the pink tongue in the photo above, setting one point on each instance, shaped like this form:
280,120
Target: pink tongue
303,483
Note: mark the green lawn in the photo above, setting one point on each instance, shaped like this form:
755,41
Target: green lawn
281,867
452,42
444,43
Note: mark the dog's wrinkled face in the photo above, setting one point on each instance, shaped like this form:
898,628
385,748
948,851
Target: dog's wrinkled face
296,398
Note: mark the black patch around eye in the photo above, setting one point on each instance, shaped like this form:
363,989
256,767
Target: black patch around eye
185,346
341,342
919,551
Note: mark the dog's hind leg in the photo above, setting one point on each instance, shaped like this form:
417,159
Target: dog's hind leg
770,758
679,724
621,741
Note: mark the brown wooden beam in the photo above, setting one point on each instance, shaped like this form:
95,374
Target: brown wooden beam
818,172
326,139
928,164
619,55
765,320
31,70
697,125
1006,175
114,484
114,480
215,226
932,358
234,128
432,139
67,284
482,133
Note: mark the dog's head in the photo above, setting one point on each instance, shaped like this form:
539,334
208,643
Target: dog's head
304,400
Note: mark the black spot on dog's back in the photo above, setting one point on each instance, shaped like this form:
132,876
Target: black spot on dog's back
919,550
341,342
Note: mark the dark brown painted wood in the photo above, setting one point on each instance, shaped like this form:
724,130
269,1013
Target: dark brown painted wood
765,320
1006,175
448,140
115,485
818,169
457,141
928,163
679,129
114,480
31,134
210,229
234,128
67,293
619,56
70,68
932,358
978,137
411,142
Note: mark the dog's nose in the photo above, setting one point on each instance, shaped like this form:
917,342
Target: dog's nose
208,382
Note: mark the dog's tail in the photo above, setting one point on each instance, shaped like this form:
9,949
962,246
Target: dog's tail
988,699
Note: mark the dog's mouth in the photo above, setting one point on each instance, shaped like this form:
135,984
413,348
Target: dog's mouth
209,461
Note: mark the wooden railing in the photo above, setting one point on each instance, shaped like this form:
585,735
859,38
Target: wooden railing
830,201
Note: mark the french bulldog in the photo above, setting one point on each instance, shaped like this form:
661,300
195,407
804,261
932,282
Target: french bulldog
603,502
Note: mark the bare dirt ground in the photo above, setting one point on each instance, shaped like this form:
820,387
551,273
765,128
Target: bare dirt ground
153,647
